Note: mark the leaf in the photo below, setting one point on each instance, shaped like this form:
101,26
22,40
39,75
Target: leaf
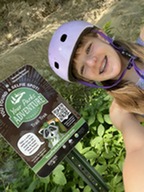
91,120
81,183
102,160
85,150
60,167
90,155
108,155
45,180
55,189
120,164
84,113
58,176
87,189
117,179
107,119
75,190
120,187
101,168
107,98
100,117
101,130
79,146
96,141
32,186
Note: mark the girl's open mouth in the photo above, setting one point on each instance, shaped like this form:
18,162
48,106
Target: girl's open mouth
103,66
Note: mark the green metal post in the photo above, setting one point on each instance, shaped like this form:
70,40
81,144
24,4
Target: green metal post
86,171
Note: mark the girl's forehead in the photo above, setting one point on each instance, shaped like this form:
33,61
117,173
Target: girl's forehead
88,37
83,43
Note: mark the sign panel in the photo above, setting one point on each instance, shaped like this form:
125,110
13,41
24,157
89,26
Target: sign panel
36,121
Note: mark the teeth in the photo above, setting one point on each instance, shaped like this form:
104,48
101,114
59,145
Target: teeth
103,66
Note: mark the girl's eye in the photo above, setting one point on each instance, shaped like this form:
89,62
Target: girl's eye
88,48
82,70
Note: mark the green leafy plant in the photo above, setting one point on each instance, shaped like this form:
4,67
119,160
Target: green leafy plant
103,146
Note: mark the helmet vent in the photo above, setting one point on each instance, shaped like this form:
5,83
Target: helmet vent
63,37
56,65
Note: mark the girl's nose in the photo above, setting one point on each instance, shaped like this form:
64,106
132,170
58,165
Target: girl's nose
91,62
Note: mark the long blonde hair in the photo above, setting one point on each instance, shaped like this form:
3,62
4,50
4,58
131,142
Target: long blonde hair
126,94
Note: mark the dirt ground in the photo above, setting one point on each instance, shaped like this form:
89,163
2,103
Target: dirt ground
27,26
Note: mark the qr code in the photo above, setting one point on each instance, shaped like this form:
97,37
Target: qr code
61,112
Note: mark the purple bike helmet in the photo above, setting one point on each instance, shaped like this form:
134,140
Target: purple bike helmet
62,47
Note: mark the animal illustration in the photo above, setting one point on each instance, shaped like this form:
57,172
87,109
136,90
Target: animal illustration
51,133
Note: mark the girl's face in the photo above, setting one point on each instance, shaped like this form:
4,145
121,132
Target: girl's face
97,60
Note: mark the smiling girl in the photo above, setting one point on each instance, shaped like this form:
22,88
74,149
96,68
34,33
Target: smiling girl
80,52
